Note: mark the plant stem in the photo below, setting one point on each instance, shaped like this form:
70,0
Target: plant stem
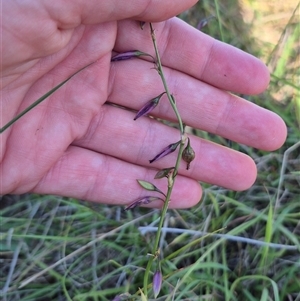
38,101
160,71
171,179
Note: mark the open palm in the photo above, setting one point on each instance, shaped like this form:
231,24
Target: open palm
76,144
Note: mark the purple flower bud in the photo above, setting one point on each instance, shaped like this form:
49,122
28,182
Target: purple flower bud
142,24
128,55
166,151
156,283
149,106
202,23
142,201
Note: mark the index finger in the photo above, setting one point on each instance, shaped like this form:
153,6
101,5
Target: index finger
190,51
69,14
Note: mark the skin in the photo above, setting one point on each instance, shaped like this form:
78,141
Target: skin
74,144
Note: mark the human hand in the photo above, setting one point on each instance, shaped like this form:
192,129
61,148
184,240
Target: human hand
74,144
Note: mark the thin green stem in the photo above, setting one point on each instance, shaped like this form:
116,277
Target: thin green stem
161,73
219,21
172,177
38,101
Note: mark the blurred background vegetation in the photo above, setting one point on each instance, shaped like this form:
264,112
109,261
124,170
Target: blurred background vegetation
55,248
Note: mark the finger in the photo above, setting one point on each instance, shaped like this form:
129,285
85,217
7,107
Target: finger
115,134
70,14
201,106
188,50
55,22
91,176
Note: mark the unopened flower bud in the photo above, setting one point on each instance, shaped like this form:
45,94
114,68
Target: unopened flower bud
128,55
166,151
149,106
143,201
142,24
156,283
188,154
204,22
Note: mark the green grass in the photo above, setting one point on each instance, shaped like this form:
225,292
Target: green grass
232,245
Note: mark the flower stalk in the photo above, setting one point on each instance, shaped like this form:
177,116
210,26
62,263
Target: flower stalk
185,153
161,73
41,99
172,173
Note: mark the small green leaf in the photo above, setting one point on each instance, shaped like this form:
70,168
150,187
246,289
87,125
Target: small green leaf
149,186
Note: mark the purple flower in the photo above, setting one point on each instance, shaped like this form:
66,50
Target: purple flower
142,201
128,55
166,151
156,283
149,106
